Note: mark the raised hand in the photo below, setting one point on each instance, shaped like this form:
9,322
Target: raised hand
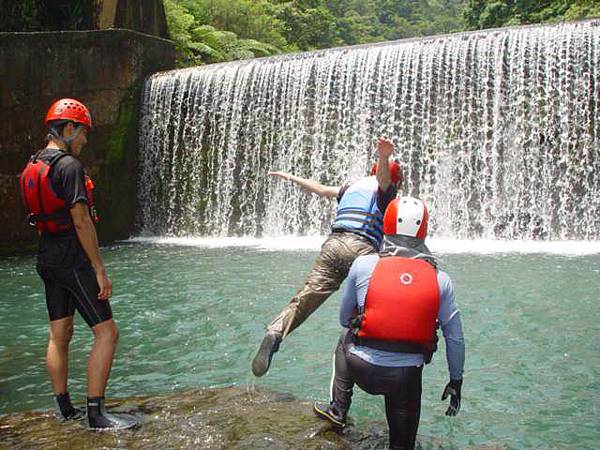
385,147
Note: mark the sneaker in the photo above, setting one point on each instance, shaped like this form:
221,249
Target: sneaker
268,347
65,410
326,411
100,420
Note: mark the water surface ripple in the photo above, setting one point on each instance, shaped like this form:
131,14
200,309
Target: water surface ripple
192,316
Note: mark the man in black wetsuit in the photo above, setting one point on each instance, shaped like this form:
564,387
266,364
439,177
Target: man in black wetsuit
58,198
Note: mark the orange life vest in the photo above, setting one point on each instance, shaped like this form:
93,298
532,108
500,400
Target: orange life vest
401,307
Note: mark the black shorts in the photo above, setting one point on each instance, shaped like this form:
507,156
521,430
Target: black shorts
68,289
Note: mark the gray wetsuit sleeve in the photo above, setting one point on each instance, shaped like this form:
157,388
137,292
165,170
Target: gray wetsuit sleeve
450,322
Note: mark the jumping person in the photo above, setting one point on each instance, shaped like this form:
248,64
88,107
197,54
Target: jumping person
356,230
390,307
58,198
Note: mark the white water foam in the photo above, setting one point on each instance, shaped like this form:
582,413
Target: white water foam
442,246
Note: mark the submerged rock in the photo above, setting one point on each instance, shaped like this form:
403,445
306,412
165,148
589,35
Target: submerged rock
219,418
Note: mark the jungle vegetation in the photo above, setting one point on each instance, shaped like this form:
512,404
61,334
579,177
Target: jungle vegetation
208,31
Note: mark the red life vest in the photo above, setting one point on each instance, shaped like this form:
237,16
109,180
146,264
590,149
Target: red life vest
401,307
46,211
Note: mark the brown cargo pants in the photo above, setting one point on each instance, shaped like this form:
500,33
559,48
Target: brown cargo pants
327,274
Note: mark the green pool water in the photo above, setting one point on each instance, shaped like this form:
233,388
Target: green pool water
192,315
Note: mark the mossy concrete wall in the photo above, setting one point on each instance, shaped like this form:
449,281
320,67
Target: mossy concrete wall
105,70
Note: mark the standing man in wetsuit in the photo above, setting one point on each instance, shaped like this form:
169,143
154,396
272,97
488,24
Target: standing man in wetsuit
357,230
390,308
58,198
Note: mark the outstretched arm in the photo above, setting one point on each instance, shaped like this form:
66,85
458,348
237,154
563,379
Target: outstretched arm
309,185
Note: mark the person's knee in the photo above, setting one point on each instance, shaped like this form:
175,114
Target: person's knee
107,332
68,335
61,336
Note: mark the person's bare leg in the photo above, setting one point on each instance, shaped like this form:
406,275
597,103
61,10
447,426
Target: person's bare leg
101,357
100,362
57,356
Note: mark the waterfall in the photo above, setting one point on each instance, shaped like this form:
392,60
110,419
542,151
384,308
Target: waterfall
498,133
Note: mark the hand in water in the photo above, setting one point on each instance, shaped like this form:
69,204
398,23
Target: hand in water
453,389
385,147
284,175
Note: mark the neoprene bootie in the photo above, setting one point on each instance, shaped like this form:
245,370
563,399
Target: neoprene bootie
65,409
328,412
99,419
268,347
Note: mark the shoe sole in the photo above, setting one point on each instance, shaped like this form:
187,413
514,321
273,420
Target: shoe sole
62,419
324,416
262,359
127,427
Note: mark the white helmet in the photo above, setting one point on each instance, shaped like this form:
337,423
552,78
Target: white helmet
406,216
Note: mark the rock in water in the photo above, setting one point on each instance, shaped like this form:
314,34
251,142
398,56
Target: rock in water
206,418
217,418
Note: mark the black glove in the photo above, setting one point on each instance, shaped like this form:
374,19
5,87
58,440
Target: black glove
452,389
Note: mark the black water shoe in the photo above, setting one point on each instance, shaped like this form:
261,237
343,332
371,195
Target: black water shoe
65,410
268,347
100,420
326,411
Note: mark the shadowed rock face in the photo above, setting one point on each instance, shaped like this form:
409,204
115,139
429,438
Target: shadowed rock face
208,419
103,69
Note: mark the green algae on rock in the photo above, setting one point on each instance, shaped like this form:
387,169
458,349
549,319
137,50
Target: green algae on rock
217,418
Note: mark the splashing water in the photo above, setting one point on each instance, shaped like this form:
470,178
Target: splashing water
498,133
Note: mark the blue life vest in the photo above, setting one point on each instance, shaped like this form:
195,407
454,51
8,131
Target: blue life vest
358,212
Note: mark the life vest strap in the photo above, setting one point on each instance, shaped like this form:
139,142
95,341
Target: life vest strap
399,347
390,346
358,211
60,216
372,222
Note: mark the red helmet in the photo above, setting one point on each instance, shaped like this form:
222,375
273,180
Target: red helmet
406,216
69,109
395,171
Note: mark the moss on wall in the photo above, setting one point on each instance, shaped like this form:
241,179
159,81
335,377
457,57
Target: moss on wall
117,177
115,148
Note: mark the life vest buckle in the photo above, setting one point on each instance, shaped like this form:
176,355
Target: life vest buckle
31,220
94,214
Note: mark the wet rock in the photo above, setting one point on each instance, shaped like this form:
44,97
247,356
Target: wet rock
220,418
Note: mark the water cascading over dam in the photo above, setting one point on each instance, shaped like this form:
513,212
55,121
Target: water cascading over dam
498,132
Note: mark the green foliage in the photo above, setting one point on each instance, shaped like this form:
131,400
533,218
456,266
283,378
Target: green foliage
46,15
19,16
179,22
583,9
208,31
481,14
308,25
